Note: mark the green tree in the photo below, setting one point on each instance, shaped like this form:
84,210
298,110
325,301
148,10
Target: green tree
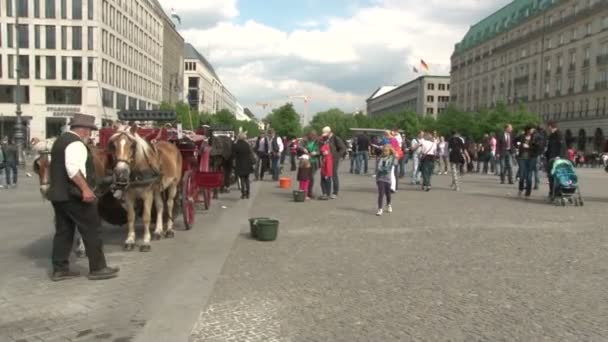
250,127
339,122
285,121
224,118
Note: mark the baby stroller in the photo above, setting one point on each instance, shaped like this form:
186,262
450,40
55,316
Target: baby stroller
565,183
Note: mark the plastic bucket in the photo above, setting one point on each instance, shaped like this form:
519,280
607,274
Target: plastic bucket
267,229
299,196
285,183
253,225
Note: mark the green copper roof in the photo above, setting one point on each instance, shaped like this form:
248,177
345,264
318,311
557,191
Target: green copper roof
505,18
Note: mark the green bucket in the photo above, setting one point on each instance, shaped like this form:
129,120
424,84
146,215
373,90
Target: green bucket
253,225
299,196
267,229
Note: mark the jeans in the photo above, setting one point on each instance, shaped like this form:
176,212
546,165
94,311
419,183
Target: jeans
402,166
427,166
335,178
275,168
506,168
455,181
10,171
396,171
326,185
261,165
245,186
416,172
361,157
384,190
443,165
292,159
353,158
535,173
525,177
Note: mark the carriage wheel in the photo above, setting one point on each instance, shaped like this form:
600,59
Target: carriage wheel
207,198
188,200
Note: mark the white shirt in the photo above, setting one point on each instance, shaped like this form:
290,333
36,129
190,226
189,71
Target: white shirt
414,144
76,158
280,143
399,139
428,147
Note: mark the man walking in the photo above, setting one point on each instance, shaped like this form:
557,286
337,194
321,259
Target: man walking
504,152
277,148
555,148
415,150
262,148
11,159
338,151
457,157
363,145
72,175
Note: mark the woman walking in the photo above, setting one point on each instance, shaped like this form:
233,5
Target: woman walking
427,160
384,173
245,161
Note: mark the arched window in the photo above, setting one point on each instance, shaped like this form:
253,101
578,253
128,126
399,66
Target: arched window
582,139
598,140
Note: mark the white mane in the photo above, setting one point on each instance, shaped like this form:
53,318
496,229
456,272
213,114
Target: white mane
142,147
41,146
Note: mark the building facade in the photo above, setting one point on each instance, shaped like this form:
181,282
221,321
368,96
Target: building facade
426,95
205,91
80,56
173,60
550,56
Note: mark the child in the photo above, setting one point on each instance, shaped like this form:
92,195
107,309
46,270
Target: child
305,174
327,168
386,163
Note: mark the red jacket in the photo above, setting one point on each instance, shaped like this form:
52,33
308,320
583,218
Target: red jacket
327,161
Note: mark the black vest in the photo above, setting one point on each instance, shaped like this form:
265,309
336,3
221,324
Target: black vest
62,188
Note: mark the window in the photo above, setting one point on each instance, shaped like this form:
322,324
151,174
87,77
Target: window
77,9
430,86
24,66
587,53
90,42
442,86
107,98
91,68
22,8
548,63
64,9
49,9
76,38
50,67
8,94
90,9
192,82
605,23
558,86
77,68
50,37
37,67
36,8
64,37
588,29
64,68
121,101
10,34
23,36
64,95
430,110
37,36
132,103
9,8
430,99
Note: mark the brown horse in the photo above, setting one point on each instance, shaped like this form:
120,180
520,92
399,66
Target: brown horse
144,171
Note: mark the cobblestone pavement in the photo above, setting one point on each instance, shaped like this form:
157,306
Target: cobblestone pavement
480,265
34,309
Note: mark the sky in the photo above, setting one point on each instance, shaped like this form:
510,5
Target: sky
337,52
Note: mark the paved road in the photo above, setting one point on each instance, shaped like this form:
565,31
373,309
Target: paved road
481,265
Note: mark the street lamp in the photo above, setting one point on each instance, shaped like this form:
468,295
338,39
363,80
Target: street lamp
18,134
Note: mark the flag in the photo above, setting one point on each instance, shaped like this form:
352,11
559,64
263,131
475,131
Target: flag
175,16
424,65
415,70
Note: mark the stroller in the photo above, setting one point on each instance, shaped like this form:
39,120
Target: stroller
565,183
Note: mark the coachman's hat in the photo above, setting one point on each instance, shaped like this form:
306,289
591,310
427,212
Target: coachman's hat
83,120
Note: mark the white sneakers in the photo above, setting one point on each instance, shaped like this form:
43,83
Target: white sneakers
389,209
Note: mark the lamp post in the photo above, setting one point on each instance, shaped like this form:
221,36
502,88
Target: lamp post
18,134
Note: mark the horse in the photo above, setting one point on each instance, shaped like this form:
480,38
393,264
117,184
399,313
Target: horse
221,160
145,171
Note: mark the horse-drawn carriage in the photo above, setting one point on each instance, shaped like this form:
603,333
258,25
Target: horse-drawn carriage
140,166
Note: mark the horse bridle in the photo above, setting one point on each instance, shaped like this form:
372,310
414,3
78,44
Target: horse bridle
46,153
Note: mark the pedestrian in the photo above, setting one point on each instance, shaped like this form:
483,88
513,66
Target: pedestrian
311,148
262,148
11,159
362,155
327,169
555,149
405,147
457,157
276,152
293,151
2,170
504,153
428,155
386,165
528,151
72,180
305,175
493,167
415,151
244,163
338,151
354,152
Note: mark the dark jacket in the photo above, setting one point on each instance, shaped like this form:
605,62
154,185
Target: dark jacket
10,154
265,142
555,146
501,144
362,143
62,188
456,148
338,147
244,158
304,174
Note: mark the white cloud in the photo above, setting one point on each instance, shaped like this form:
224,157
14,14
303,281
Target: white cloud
202,14
341,63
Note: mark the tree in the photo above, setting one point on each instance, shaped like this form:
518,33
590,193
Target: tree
285,121
339,122
250,127
224,118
